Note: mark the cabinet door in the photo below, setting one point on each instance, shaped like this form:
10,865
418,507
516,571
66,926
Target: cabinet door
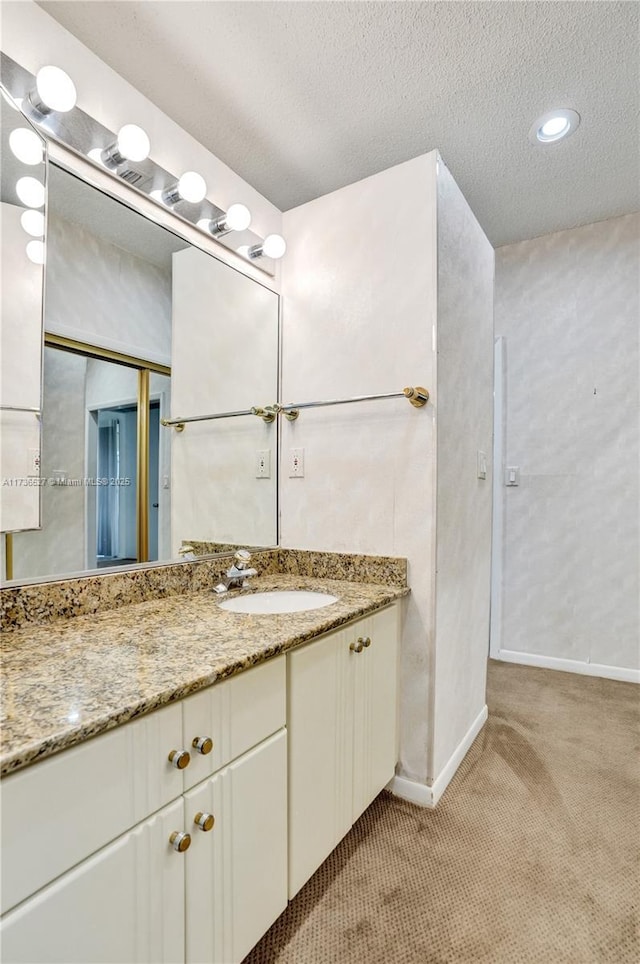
235,714
124,905
375,707
320,732
236,882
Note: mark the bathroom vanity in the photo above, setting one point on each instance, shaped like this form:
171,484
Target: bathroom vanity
188,769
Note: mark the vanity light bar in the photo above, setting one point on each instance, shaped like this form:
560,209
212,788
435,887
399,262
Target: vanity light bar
418,397
48,100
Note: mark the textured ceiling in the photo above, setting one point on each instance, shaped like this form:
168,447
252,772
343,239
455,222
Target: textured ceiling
302,98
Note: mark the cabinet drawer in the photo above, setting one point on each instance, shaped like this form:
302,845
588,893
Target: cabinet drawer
234,715
58,812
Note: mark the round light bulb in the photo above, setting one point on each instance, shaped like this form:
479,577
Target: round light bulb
30,191
33,223
554,127
238,217
35,251
26,146
274,246
192,187
133,143
55,89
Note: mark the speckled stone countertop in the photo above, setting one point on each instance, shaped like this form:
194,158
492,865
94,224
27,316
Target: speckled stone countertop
72,679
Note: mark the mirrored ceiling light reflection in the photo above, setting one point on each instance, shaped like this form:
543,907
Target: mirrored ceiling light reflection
26,146
33,223
30,191
36,251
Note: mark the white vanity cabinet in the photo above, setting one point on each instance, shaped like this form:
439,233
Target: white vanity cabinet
342,733
236,871
124,904
111,854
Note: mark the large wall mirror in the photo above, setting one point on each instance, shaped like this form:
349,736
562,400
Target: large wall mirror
22,222
140,326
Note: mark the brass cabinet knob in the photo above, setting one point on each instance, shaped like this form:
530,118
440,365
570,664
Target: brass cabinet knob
204,821
357,647
202,744
366,642
180,841
179,759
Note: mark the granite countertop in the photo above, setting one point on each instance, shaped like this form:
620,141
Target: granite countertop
75,678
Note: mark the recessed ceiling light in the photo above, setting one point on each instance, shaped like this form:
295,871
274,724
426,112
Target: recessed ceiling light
554,126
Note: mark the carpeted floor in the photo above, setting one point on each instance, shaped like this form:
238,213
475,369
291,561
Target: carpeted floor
531,856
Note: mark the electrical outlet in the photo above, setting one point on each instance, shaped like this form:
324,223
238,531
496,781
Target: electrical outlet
482,465
263,464
33,462
296,463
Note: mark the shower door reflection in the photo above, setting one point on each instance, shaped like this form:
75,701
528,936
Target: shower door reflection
90,504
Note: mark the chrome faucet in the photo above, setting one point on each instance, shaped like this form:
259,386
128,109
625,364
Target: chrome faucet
237,576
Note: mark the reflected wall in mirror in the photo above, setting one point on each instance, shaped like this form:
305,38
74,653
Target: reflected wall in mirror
22,222
133,316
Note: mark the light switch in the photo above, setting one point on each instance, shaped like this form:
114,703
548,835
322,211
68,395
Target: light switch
482,465
512,475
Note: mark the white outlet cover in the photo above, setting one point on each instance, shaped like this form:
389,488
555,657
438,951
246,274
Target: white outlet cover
296,463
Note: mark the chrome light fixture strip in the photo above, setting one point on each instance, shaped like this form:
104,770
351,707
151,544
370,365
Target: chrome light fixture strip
81,133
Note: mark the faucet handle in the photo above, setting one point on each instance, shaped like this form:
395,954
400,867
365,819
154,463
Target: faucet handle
242,558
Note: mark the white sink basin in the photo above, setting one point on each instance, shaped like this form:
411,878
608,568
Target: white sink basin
279,601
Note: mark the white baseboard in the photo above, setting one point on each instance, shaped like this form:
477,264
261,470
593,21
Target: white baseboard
620,673
426,796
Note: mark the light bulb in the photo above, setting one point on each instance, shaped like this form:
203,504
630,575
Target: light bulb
35,251
33,223
554,127
238,217
54,91
274,246
133,143
30,191
192,187
26,146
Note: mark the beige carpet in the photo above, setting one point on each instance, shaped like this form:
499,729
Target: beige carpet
531,856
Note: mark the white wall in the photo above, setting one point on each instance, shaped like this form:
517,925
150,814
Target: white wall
359,305
568,306
377,275
465,426
99,293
